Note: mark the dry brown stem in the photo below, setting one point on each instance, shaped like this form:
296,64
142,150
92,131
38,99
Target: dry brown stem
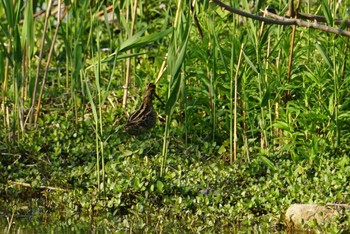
23,184
280,20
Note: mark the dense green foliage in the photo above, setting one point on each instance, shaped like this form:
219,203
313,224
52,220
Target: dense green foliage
65,155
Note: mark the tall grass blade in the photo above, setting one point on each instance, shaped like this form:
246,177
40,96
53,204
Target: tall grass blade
136,41
324,55
27,38
43,82
251,64
176,58
41,53
234,113
175,62
327,12
97,137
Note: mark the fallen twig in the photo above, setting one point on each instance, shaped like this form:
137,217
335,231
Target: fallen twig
30,186
338,205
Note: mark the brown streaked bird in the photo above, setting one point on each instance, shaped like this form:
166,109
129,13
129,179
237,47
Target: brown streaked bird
145,117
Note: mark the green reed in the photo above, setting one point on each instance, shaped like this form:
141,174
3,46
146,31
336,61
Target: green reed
293,114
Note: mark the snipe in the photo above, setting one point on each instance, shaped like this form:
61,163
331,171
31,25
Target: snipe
145,117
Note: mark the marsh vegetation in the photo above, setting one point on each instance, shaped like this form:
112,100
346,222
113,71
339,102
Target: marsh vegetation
256,115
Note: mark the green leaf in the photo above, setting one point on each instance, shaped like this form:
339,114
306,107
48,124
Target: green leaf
127,153
283,126
136,41
175,66
160,186
222,149
331,104
91,100
175,90
111,58
327,12
28,27
267,162
250,63
324,55
137,183
266,97
131,41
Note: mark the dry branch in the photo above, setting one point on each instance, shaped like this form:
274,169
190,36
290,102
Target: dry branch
319,18
306,24
23,184
279,20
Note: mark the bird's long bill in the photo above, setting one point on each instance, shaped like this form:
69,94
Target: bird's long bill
159,99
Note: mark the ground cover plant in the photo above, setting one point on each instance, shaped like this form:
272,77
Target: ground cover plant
256,115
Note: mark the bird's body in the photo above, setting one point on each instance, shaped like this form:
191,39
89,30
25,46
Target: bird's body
145,117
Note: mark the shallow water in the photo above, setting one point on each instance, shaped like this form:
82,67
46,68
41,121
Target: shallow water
27,224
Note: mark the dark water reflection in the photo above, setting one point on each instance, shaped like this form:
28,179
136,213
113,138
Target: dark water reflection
22,224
